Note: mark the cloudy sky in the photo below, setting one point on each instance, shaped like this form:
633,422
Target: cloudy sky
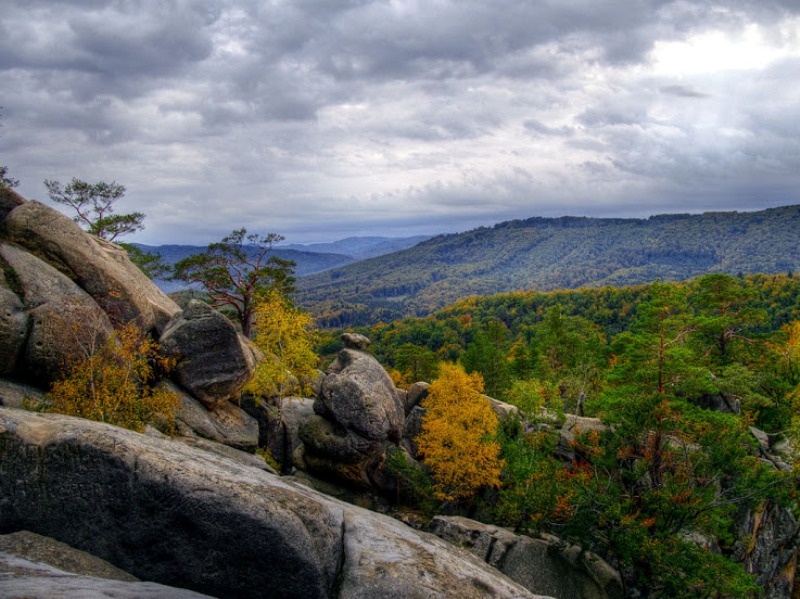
320,119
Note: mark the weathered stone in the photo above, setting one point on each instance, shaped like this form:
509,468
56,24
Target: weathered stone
9,199
416,393
100,268
316,383
13,325
358,395
54,553
284,423
64,320
367,545
22,578
226,423
762,438
503,410
214,361
355,341
767,548
323,438
244,458
413,427
17,395
544,565
176,515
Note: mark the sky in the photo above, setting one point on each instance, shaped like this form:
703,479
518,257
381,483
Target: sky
323,119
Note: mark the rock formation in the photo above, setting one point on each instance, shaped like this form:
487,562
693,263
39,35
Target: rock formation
544,565
61,293
359,417
179,516
37,567
214,361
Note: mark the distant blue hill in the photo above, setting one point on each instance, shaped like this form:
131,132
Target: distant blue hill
361,248
309,259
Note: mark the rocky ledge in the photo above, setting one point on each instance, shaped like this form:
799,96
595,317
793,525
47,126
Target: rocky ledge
180,516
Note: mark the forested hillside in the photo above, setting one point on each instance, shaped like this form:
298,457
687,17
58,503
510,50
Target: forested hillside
509,322
681,400
546,254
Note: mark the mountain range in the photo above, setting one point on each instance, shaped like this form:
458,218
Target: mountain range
308,258
552,253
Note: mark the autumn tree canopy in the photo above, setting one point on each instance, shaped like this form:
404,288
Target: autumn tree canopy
456,441
111,382
285,337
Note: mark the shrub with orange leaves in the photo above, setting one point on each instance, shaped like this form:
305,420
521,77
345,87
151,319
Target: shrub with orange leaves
112,383
456,441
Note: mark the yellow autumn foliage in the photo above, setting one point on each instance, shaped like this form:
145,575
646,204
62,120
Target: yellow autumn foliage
285,337
456,439
111,383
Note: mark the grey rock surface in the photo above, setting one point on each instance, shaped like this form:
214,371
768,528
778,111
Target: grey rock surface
283,430
13,325
355,341
503,410
37,548
412,428
542,565
416,393
184,517
359,419
357,394
17,395
9,199
225,423
214,362
767,548
21,578
100,268
65,322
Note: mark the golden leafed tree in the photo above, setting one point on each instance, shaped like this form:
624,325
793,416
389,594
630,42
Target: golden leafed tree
456,441
112,381
285,337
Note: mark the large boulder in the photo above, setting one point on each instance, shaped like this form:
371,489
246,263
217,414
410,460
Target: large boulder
180,516
503,410
412,429
542,565
358,395
334,443
100,268
360,418
65,323
214,360
25,579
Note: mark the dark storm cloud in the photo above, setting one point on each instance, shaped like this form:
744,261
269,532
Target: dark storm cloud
313,117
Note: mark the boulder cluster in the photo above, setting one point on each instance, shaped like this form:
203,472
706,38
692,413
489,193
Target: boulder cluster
63,291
